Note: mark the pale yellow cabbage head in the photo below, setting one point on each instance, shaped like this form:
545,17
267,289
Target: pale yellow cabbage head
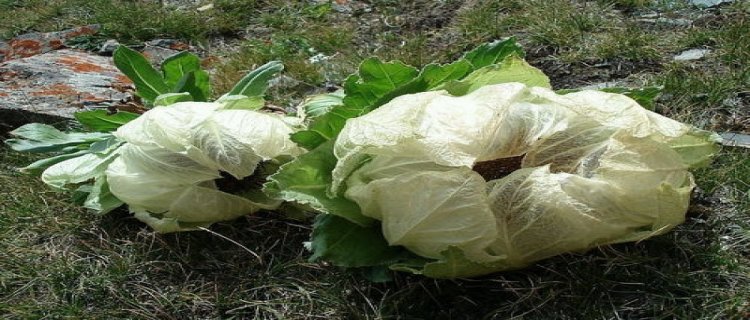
511,174
166,170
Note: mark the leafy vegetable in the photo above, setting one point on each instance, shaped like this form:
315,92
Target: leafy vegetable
232,141
565,173
100,198
477,166
307,180
168,168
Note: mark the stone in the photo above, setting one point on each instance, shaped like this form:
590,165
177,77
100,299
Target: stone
708,3
679,22
205,8
692,54
734,139
34,43
62,82
108,47
283,82
601,85
159,49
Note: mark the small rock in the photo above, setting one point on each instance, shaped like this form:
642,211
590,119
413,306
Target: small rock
602,85
169,44
652,15
61,82
109,47
692,54
159,49
656,18
733,139
709,3
206,7
180,4
680,22
318,58
5,50
345,6
283,82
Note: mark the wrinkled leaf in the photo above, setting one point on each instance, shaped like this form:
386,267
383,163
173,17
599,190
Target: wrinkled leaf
37,137
374,80
377,83
454,264
697,148
306,179
105,146
76,170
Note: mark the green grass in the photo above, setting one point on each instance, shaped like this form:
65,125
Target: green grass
127,21
59,261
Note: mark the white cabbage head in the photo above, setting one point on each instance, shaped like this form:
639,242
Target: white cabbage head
166,170
511,174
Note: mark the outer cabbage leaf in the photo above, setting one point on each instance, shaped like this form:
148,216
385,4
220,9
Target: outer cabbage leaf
695,146
76,170
173,154
103,120
101,199
493,52
166,126
235,141
350,245
306,180
453,211
37,167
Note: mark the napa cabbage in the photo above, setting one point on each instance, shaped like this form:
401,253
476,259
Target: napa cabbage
175,158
